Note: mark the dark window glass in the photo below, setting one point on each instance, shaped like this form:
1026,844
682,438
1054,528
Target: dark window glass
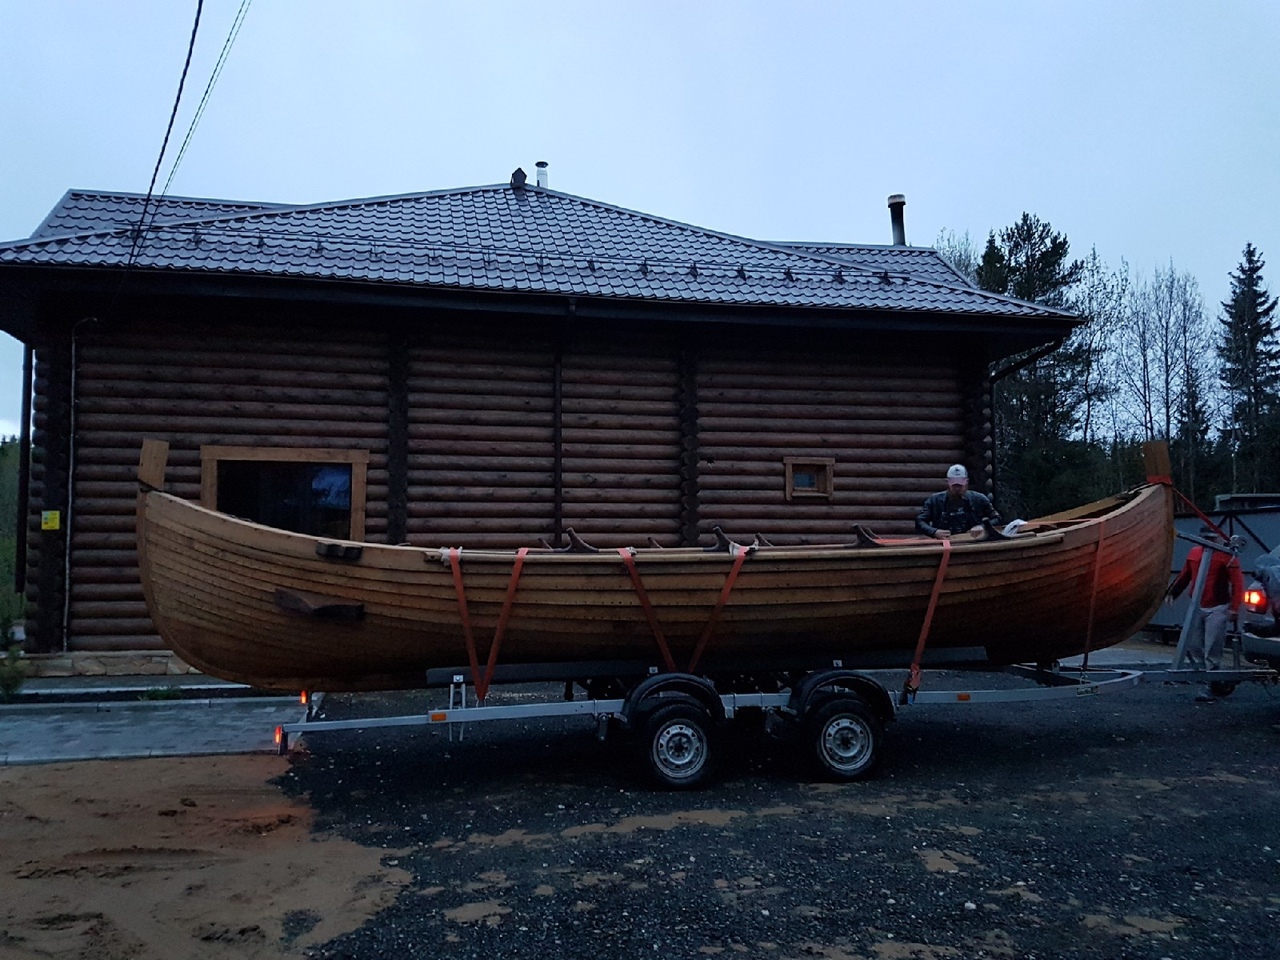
312,498
804,480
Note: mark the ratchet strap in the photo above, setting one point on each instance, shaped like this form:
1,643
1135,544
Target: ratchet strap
913,679
627,558
478,679
709,629
1093,595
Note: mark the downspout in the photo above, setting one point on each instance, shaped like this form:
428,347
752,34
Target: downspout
24,475
1008,371
71,485
1027,360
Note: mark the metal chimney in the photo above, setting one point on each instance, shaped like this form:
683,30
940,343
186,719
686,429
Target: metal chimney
542,173
896,202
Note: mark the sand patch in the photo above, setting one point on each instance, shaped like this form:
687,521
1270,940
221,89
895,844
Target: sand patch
488,912
898,950
196,857
945,861
1132,925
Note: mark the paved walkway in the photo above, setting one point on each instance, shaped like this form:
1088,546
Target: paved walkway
92,718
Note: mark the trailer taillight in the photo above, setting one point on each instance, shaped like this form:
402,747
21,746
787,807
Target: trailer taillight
304,698
279,735
1255,600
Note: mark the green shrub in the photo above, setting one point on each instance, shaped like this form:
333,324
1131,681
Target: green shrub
13,670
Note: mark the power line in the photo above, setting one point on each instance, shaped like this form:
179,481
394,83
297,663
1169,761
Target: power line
213,79
142,219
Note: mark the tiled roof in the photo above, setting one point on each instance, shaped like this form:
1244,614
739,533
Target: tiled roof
82,211
923,263
497,238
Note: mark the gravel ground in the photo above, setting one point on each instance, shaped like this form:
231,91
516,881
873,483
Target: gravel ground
1139,825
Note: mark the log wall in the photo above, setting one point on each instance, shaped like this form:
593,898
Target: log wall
234,387
892,428
481,452
621,446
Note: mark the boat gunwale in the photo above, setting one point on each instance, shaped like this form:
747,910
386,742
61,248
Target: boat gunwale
1108,508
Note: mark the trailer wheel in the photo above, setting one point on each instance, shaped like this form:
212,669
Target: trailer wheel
678,746
1222,688
845,735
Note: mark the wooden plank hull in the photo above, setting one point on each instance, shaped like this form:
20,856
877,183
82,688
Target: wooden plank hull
214,585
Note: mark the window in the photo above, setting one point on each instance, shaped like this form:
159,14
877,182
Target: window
809,477
306,490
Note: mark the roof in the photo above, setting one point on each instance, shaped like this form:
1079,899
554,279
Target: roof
81,211
502,239
923,263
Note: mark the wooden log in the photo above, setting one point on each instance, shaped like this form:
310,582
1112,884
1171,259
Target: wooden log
109,643
886,449
281,358
111,626
128,409
115,429
315,434
444,432
746,415
116,393
113,609
430,482
505,509
526,412
423,464
422,393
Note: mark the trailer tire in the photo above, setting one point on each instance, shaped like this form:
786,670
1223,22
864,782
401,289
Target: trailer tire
678,744
845,735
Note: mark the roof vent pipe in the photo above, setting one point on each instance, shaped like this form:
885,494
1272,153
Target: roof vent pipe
896,202
542,173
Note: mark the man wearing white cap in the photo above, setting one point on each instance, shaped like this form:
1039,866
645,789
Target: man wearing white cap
956,509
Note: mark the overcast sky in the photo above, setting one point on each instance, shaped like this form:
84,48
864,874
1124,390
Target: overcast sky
1150,130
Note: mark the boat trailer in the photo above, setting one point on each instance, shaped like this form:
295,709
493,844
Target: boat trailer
838,708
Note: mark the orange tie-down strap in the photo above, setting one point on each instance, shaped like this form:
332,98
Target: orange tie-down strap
481,680
1093,593
628,558
913,680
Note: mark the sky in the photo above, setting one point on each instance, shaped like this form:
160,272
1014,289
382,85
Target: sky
1147,130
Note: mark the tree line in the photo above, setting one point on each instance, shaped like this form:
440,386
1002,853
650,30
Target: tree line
1149,362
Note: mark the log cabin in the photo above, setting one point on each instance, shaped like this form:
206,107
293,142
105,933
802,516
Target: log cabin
479,367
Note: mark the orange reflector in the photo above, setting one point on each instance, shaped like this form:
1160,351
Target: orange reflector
439,716
1255,598
964,696
304,698
279,735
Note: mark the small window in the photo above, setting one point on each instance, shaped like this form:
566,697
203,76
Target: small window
306,490
809,477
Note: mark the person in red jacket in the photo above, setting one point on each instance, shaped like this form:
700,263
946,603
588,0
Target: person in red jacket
1223,590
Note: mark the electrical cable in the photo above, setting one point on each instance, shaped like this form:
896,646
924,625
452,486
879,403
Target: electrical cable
146,203
204,100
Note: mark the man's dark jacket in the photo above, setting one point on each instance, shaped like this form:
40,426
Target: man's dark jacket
942,511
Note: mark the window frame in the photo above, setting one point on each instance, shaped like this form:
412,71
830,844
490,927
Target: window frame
358,460
825,467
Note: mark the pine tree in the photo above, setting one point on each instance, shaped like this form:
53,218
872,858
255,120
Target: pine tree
1249,352
1038,408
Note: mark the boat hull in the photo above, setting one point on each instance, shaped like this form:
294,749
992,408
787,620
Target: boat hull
260,606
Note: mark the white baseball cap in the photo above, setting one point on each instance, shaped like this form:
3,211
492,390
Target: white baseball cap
957,472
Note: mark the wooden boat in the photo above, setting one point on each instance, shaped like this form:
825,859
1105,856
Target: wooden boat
283,610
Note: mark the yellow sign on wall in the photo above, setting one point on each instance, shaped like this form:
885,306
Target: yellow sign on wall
51,520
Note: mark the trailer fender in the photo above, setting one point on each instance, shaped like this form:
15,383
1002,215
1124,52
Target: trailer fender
812,690
662,686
